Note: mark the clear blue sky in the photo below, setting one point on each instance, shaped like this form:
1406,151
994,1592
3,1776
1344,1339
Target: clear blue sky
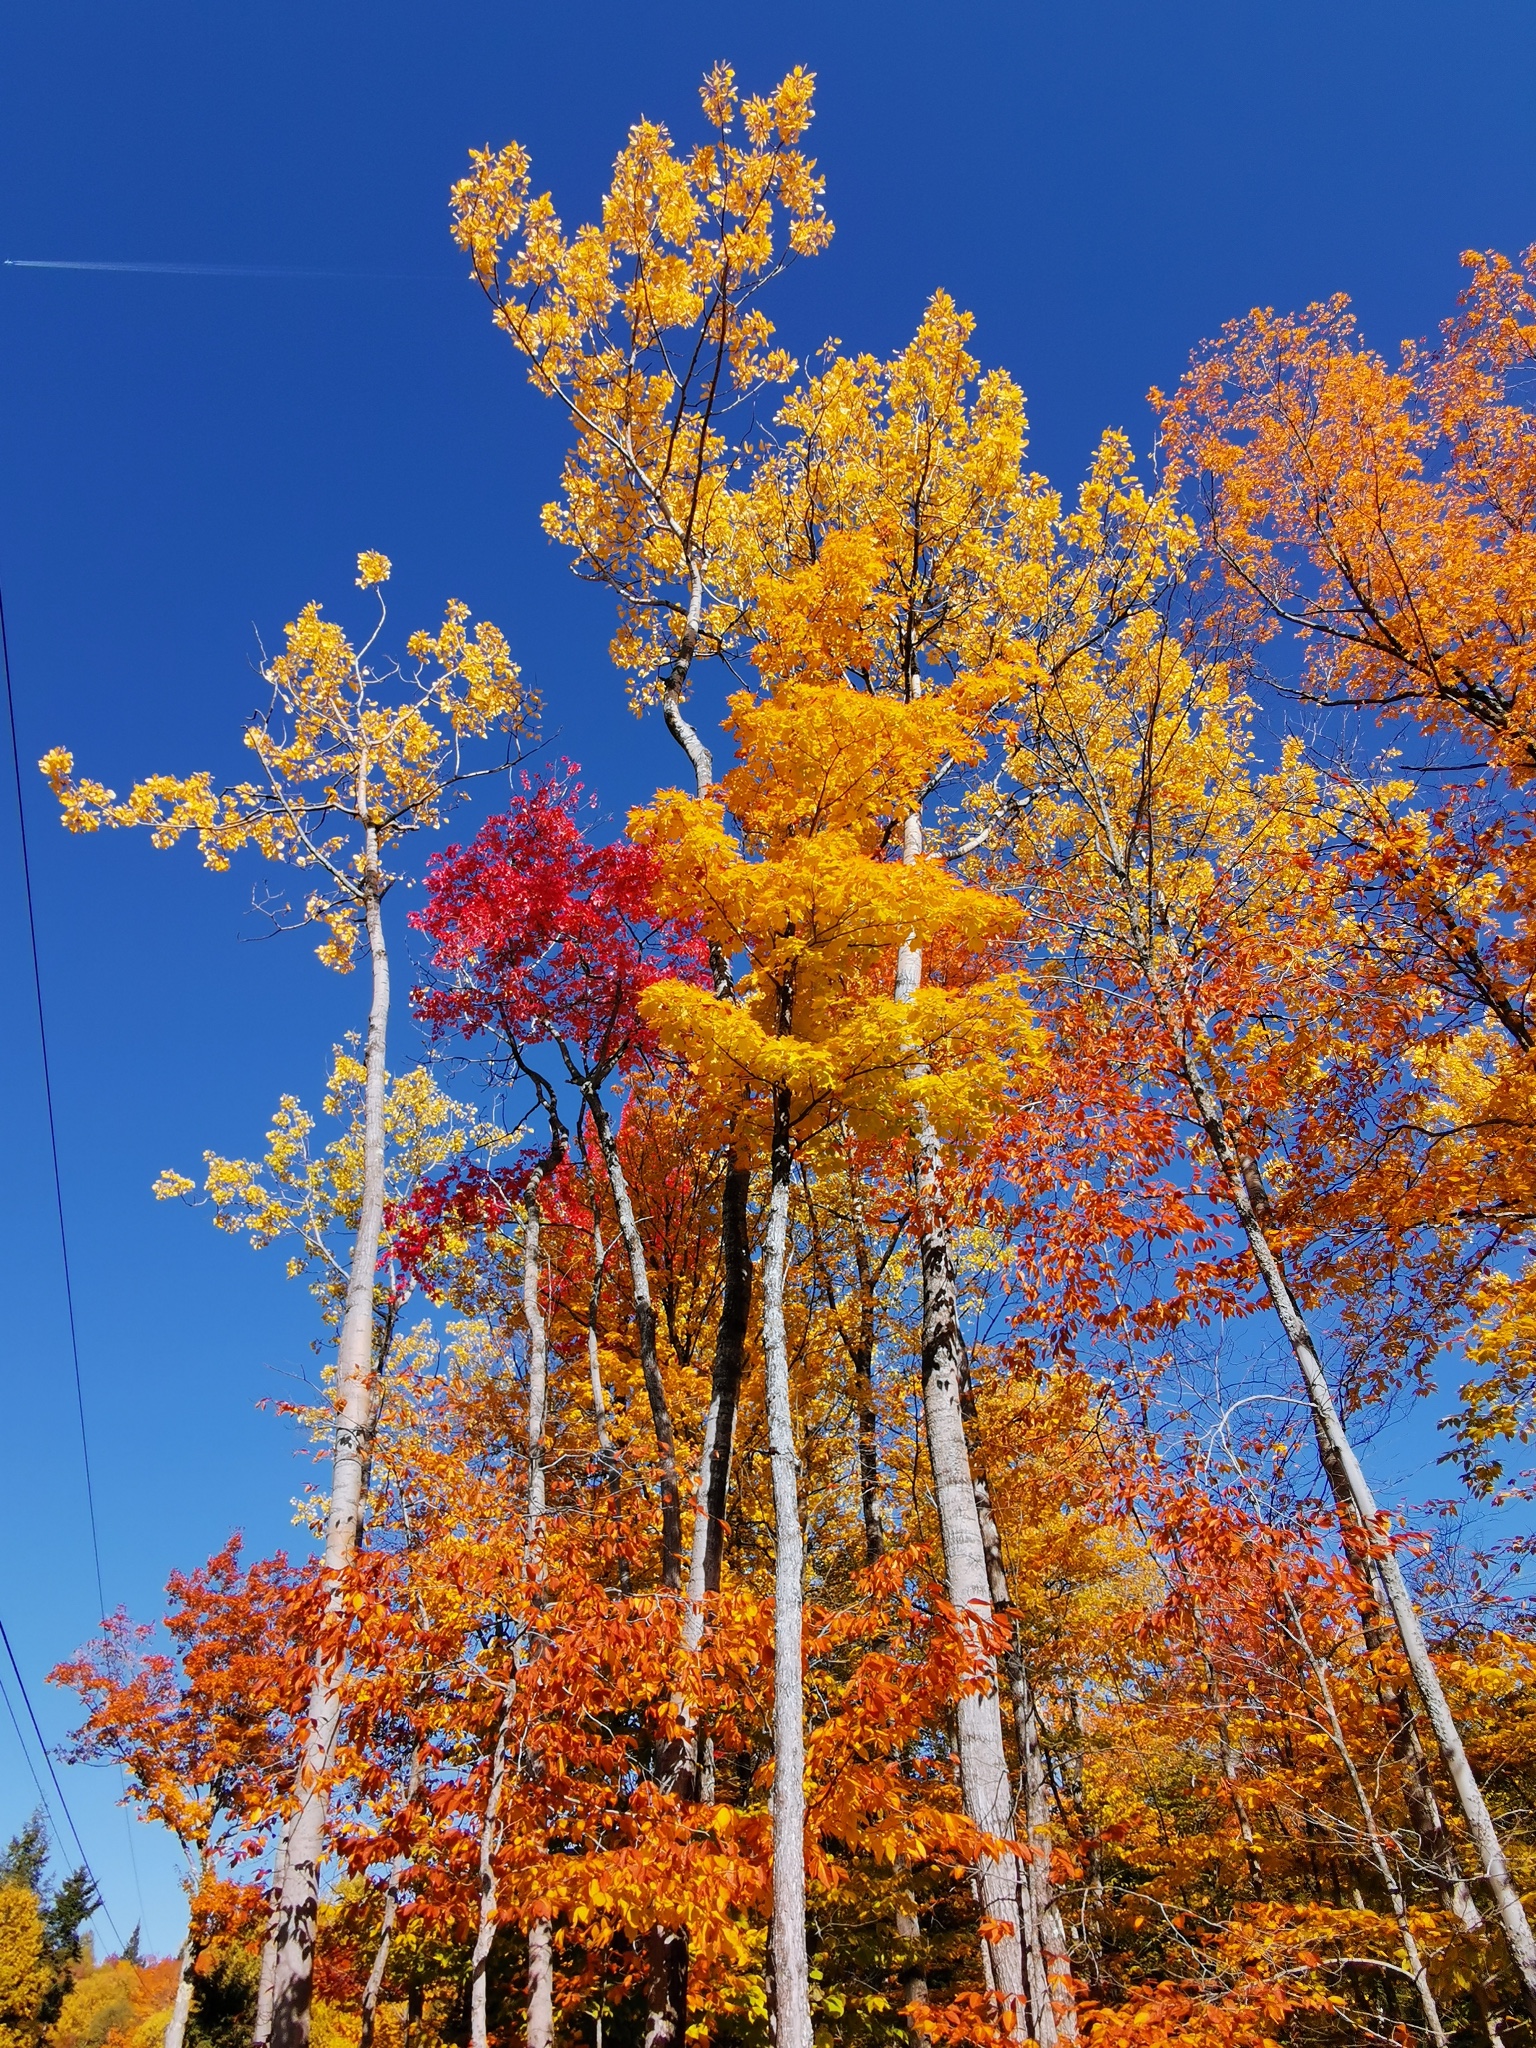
1102,182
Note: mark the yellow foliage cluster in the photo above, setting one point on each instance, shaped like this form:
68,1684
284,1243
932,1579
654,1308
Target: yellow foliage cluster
345,771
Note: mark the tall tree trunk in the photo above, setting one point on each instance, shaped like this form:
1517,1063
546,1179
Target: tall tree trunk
708,1547
1391,1884
666,1947
541,1986
1357,1505
355,1401
985,1780
373,1989
488,1905
539,2007
541,1967
686,1761
266,1980
791,1964
186,1984
862,1359
645,1331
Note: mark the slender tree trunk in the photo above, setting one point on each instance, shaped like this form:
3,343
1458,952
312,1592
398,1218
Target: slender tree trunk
490,1840
1358,1504
791,1964
985,1781
1390,1883
541,1985
355,1399
913,1976
708,1547
266,1981
862,1359
594,1359
645,1330
539,2005
186,1984
688,1760
541,1966
373,1989
666,1947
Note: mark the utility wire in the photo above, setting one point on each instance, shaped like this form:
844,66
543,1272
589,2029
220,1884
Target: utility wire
53,1135
26,1757
26,1700
69,1290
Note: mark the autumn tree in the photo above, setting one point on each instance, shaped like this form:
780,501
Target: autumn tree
806,896
354,756
1385,517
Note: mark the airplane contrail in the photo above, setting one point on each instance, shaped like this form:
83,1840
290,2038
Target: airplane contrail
221,270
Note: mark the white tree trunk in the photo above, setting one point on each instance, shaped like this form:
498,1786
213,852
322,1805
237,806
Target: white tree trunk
1348,1477
985,1782
540,1940
540,2009
487,1913
374,1988
541,1986
186,1984
791,1967
645,1330
1433,2025
355,1400
261,2033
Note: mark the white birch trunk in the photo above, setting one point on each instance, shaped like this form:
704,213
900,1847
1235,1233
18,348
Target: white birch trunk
1342,1464
489,1912
541,1986
791,1966
645,1330
1433,2025
374,1988
540,1939
261,2033
985,1781
355,1388
490,1840
186,1984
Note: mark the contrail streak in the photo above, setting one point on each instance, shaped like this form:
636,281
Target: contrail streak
221,270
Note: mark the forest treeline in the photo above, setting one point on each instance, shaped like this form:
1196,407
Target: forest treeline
855,1359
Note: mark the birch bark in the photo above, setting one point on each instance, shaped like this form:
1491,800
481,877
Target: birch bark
645,1332
356,1401
985,1781
1357,1504
791,1965
186,1984
1391,1885
540,2009
373,1989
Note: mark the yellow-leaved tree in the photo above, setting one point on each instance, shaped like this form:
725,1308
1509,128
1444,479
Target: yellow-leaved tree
356,752
26,1977
795,871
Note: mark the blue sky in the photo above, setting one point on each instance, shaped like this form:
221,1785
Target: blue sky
185,458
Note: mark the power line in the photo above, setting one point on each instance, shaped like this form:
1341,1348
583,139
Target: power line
26,1700
53,1135
69,1290
26,1755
